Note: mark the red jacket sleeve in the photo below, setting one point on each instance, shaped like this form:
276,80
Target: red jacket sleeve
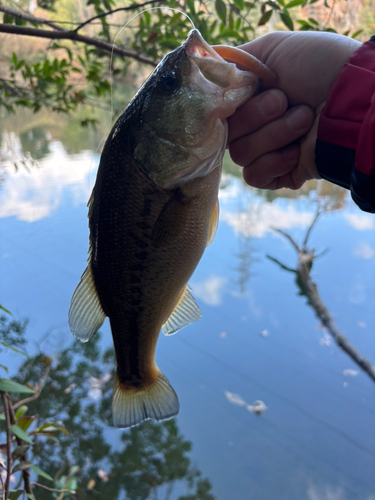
345,147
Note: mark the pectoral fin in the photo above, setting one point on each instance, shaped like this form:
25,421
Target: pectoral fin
171,221
86,314
185,312
214,223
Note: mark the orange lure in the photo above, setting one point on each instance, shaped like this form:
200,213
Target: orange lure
251,63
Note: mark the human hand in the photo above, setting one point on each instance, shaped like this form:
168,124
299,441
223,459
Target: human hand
277,147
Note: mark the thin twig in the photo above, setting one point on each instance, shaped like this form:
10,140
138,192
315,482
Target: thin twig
169,490
9,88
4,397
37,393
53,489
71,35
317,215
288,237
28,17
23,458
330,13
105,14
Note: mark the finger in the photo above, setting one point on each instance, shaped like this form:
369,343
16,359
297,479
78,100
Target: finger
274,135
256,112
273,170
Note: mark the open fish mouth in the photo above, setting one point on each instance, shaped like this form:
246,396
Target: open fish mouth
205,55
214,67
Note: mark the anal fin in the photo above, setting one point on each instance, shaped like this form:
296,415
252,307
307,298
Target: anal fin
186,311
86,314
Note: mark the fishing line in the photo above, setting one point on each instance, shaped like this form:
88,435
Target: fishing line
111,73
126,24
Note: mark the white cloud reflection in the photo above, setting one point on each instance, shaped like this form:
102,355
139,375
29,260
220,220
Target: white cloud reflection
364,250
33,196
210,291
361,222
261,218
329,492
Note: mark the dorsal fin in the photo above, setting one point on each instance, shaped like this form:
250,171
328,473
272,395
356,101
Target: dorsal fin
214,223
185,312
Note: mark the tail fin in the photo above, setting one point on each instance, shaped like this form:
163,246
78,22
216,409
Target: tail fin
157,401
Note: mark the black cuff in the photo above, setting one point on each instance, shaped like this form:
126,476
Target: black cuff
336,164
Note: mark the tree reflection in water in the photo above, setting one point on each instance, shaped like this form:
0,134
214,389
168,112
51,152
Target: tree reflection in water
149,461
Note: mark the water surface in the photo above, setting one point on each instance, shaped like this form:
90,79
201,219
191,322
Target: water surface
258,339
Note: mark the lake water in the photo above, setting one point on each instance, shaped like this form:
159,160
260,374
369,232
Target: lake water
258,339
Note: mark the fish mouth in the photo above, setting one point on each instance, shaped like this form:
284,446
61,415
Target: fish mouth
214,68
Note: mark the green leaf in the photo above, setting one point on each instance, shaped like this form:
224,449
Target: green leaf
21,411
40,472
8,385
191,7
5,310
51,427
8,19
265,18
22,466
354,35
287,21
326,4
295,3
71,484
221,10
25,422
17,431
240,4
14,349
19,451
4,368
313,21
15,495
29,495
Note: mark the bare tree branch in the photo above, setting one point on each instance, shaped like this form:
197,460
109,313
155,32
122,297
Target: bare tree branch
4,397
71,35
288,237
37,394
54,489
28,17
317,215
309,288
131,7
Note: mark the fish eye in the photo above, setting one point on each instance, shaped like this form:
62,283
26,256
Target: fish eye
169,82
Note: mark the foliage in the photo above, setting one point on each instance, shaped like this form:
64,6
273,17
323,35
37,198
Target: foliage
59,435
67,75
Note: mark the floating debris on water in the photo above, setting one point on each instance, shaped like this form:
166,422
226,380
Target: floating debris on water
257,407
349,372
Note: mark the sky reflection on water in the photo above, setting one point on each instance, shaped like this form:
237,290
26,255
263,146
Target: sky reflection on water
258,338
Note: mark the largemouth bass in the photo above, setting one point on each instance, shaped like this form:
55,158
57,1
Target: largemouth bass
152,212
